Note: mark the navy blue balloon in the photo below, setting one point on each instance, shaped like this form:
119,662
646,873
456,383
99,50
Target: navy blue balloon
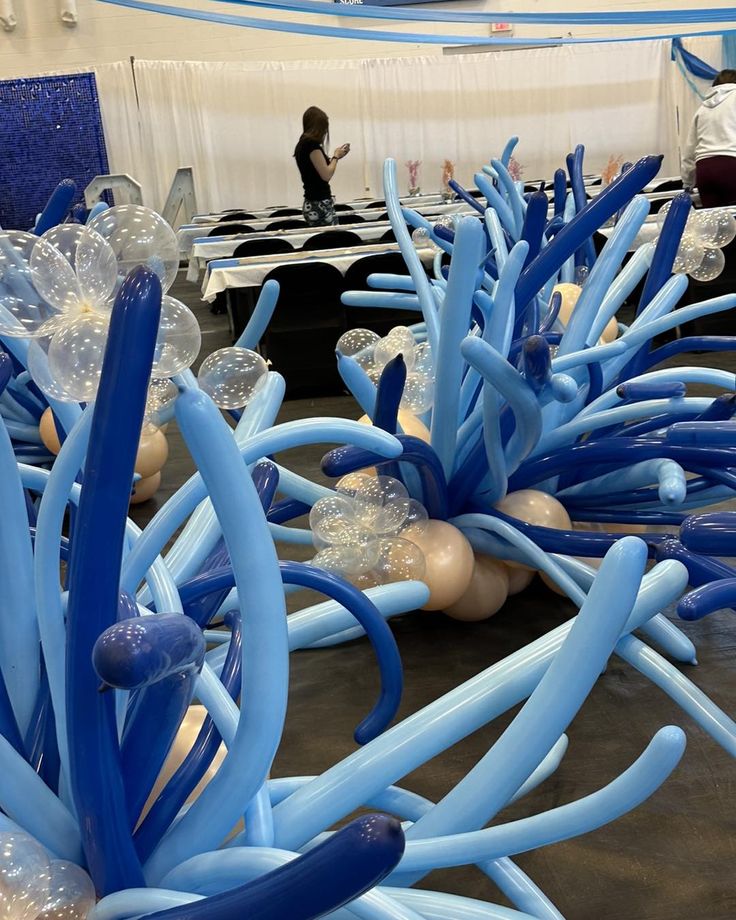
702,570
344,460
6,370
137,653
95,764
583,225
718,595
711,533
586,254
57,207
178,789
364,611
266,480
335,872
642,389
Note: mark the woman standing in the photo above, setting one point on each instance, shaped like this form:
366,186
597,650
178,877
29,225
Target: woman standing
316,168
709,158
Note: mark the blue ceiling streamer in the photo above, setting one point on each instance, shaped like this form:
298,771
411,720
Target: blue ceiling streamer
382,13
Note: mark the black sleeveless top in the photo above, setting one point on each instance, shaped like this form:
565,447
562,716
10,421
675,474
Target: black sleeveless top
315,188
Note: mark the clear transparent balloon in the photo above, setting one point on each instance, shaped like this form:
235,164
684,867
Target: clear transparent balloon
161,394
328,514
399,560
139,236
423,362
711,266
23,311
416,520
418,395
662,214
55,279
704,227
399,341
71,893
725,228
178,341
232,376
76,353
38,368
689,255
347,560
358,344
24,877
97,270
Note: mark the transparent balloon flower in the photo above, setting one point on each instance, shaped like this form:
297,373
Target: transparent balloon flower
59,289
363,532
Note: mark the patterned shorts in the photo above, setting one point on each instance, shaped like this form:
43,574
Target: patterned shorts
320,213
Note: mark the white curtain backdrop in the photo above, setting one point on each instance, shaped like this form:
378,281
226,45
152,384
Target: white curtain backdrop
236,123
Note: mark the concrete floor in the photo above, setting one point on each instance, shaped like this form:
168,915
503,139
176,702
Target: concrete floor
671,859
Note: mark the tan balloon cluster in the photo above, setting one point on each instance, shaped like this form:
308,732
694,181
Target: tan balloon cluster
153,452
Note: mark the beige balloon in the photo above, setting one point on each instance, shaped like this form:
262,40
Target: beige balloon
486,594
185,738
145,488
410,425
47,430
519,578
570,295
537,508
153,451
449,558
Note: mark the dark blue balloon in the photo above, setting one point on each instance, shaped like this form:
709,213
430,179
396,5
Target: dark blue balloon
344,460
197,762
137,653
583,225
335,872
57,207
95,765
718,595
711,533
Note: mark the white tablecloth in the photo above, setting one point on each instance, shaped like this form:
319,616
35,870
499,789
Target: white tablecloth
204,250
188,233
357,205
224,274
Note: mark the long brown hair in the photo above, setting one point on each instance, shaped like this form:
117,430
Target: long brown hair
315,125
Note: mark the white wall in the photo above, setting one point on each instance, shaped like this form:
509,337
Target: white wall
105,33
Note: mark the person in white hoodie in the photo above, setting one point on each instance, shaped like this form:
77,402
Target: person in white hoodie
709,157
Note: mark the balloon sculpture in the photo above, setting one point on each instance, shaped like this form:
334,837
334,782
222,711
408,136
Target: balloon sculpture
494,422
56,293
